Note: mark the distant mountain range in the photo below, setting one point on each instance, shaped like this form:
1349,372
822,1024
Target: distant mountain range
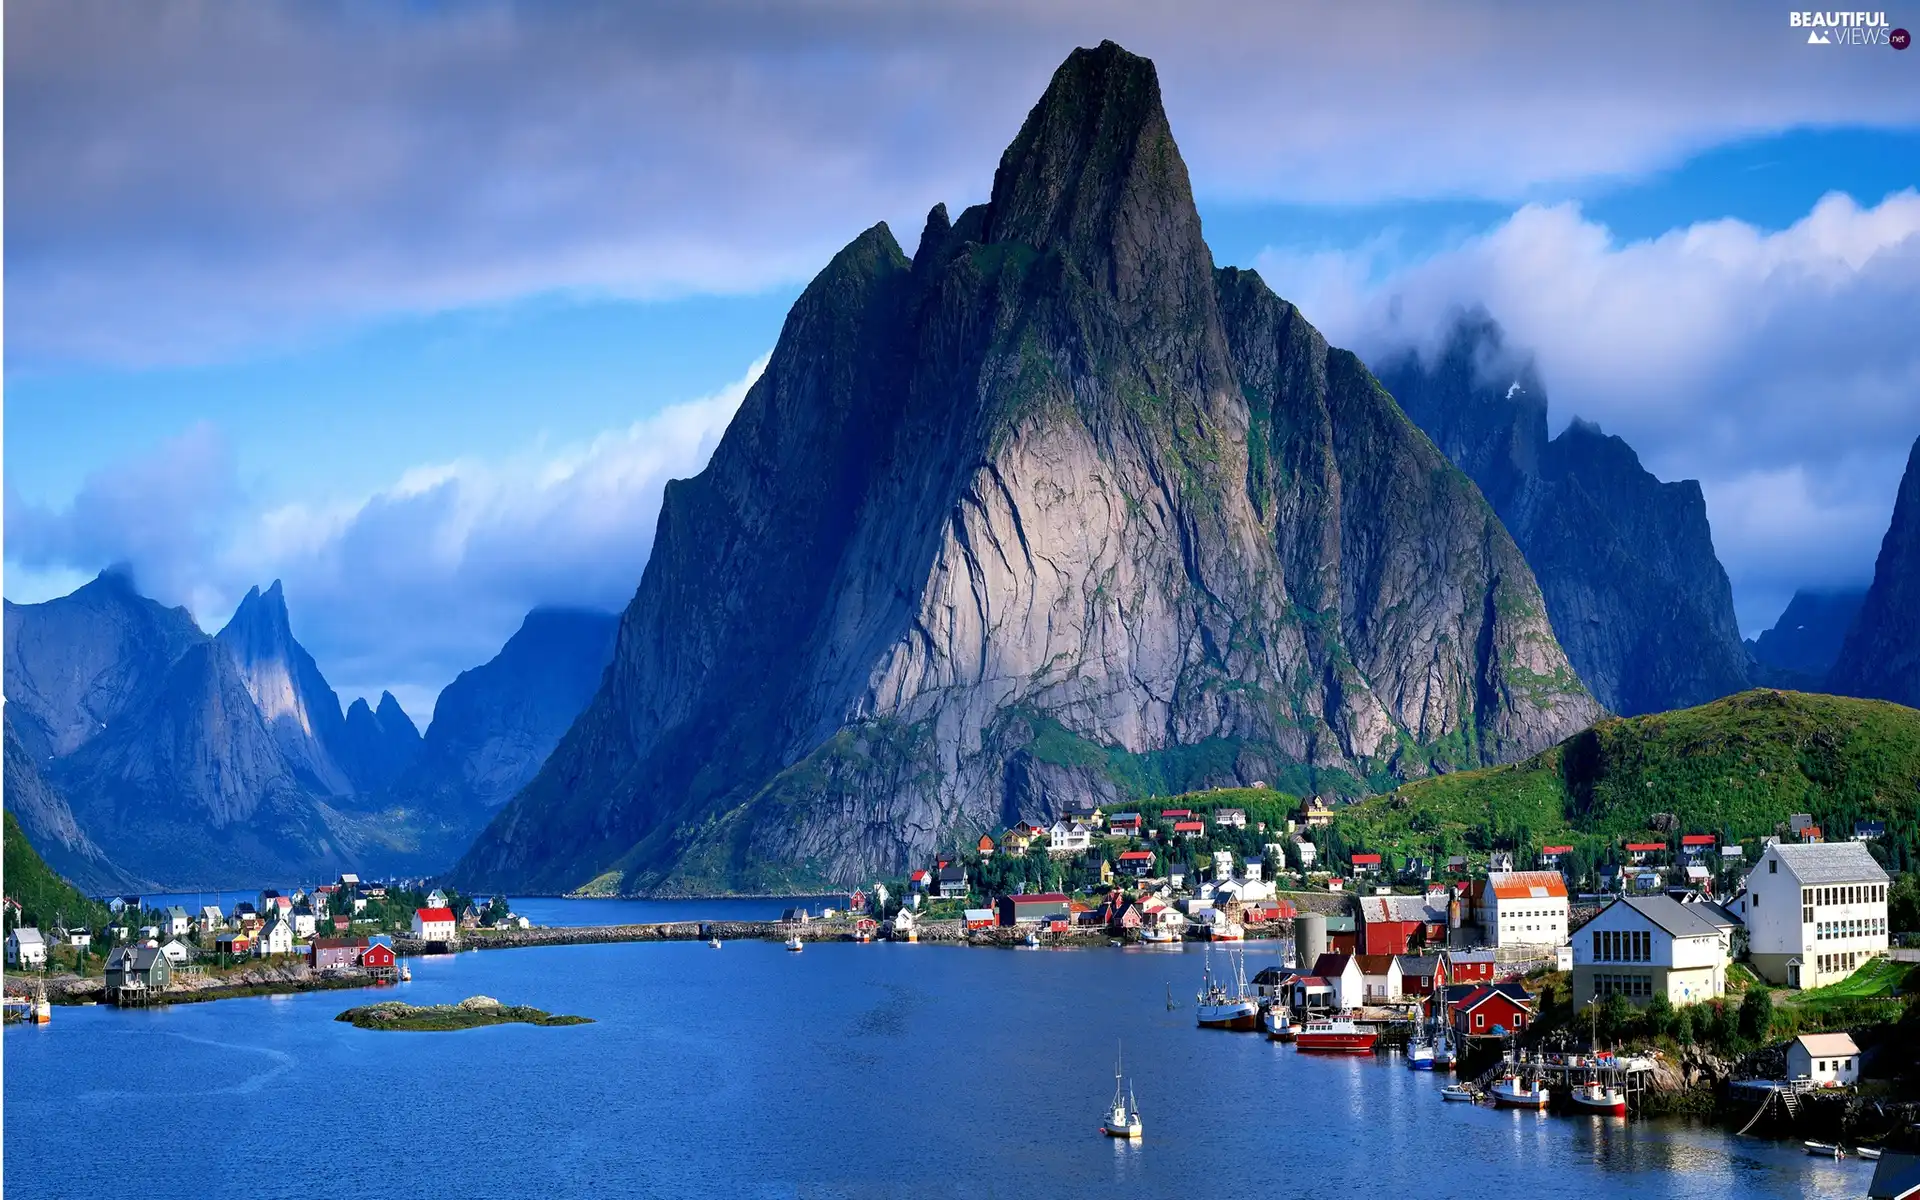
1053,514
1635,592
1881,655
1801,648
141,750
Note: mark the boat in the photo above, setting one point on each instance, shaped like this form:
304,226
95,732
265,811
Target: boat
1218,1007
1158,935
1824,1150
793,941
1032,938
1443,1052
1420,1056
1278,1023
714,943
1457,1091
1335,1035
1123,1119
1871,1154
1597,1097
406,973
1509,1091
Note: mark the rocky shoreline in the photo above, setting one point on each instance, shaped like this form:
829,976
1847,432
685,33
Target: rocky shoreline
471,1013
263,980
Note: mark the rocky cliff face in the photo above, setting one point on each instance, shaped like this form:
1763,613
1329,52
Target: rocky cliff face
1636,594
48,822
496,724
1805,642
286,685
1052,513
1881,656
76,664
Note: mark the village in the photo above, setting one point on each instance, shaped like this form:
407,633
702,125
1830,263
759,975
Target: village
1534,990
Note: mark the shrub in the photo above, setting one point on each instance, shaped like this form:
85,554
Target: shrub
1756,1015
1659,1015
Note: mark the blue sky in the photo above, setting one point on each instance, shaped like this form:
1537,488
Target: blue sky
428,349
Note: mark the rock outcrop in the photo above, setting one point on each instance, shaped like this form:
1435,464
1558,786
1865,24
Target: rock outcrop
376,745
1801,648
48,823
1051,513
1881,657
1637,597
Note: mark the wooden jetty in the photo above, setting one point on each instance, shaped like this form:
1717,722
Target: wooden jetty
1632,1075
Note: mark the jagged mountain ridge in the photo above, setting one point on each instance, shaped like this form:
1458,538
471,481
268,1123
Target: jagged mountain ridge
377,745
1805,642
1637,596
47,820
1050,509
1881,656
75,664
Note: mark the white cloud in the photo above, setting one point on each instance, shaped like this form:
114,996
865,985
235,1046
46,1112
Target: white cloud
1777,368
189,180
399,590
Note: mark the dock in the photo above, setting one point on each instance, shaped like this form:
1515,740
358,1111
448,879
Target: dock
1632,1075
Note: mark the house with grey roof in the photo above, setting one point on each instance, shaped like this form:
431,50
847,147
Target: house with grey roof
1646,946
1815,913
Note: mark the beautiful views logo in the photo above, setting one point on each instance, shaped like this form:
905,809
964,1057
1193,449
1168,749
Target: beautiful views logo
1847,28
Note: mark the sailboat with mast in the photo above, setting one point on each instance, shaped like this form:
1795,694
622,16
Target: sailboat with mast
1123,1118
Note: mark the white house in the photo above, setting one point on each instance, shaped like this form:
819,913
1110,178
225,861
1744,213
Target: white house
1521,908
176,952
1304,852
79,938
178,923
436,899
1644,946
1069,839
304,922
1380,981
212,920
1815,912
1823,1058
1342,973
276,937
26,948
433,924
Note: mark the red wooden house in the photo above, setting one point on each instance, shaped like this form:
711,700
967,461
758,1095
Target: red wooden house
1487,1011
377,957
1472,966
1392,924
1137,862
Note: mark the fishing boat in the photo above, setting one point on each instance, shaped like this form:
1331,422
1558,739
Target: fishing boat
1219,1007
1335,1035
1123,1119
1457,1092
1597,1097
1509,1091
1032,938
793,942
1443,1053
1158,935
1824,1150
1278,1023
406,973
1420,1055
1868,1152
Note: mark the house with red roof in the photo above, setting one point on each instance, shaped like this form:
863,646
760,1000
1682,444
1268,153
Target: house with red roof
1492,1010
378,957
1365,864
1551,855
1175,814
1189,829
1522,908
435,925
1138,863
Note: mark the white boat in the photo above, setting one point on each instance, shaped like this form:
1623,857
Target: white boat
1032,938
1443,1053
1868,1153
1123,1118
1599,1098
1457,1091
1219,1007
1278,1022
1510,1092
714,942
793,941
1824,1150
1420,1056
1158,935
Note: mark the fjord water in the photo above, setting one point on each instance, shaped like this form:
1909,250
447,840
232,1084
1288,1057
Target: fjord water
844,1071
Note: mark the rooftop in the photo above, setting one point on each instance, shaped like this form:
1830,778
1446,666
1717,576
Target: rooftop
1831,862
1827,1044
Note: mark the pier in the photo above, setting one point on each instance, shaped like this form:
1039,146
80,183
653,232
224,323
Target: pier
1633,1076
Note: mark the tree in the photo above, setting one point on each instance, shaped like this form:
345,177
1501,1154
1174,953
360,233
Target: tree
1756,1014
1683,1027
1659,1015
1616,1013
1723,1024
1903,904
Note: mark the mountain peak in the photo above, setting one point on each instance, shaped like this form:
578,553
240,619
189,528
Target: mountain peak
1094,173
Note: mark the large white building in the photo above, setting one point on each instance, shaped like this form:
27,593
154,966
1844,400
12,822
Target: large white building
1647,946
1522,908
26,948
1814,913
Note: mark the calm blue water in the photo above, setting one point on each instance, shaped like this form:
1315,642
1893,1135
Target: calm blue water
553,910
846,1071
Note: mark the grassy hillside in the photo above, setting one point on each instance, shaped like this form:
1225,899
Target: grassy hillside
1736,768
43,895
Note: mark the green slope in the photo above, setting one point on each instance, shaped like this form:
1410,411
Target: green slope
1737,767
43,895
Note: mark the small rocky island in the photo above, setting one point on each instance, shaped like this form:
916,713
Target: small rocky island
470,1013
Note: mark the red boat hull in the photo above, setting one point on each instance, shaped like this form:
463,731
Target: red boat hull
1336,1043
1248,1022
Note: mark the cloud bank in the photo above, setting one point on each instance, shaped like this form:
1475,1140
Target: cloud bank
188,181
1777,368
400,590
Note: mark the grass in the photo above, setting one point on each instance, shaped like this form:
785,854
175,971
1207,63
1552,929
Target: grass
1880,977
1737,767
